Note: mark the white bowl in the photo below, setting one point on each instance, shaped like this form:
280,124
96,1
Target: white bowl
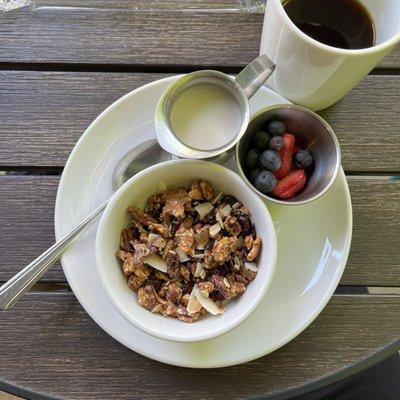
135,192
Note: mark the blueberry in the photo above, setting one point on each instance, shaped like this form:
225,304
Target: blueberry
276,128
253,174
302,159
269,159
229,199
276,143
260,140
250,160
265,181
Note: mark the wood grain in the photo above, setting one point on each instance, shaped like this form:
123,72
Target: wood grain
151,38
44,113
74,358
27,207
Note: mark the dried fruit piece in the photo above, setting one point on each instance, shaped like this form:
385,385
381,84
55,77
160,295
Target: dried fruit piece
291,185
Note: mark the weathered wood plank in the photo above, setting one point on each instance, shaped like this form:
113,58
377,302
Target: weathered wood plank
74,358
151,38
44,113
27,204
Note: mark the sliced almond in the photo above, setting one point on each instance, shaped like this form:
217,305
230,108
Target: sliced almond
193,304
214,230
206,302
226,211
252,266
226,282
219,218
155,261
183,257
203,209
199,268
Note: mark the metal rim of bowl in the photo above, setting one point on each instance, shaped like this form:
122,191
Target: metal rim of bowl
329,129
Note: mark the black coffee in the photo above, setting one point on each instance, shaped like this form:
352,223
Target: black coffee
339,23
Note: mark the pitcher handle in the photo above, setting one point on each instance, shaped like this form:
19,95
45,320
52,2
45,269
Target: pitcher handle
252,77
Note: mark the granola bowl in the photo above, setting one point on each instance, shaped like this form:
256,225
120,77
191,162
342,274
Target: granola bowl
164,316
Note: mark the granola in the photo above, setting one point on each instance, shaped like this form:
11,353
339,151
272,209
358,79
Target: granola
189,251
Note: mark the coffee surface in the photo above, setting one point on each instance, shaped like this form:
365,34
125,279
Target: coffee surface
345,24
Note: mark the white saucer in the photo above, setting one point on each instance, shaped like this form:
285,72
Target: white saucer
313,244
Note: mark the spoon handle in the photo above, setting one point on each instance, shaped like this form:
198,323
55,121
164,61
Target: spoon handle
15,288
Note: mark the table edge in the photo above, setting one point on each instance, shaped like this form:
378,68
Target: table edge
341,374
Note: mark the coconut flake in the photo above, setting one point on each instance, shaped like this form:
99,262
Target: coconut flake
203,273
199,255
219,218
155,261
153,237
252,266
226,211
183,257
199,268
203,209
214,230
193,305
216,198
236,205
206,302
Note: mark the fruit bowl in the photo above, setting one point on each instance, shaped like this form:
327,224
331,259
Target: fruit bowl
311,133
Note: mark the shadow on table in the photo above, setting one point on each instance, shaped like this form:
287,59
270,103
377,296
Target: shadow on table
381,382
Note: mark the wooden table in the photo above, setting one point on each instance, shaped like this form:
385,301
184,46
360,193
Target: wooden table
58,71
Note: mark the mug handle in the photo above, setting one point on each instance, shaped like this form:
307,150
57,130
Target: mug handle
252,77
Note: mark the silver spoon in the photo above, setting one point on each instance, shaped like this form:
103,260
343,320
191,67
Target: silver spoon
140,157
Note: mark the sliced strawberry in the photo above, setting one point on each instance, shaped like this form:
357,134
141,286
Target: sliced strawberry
286,154
291,185
296,149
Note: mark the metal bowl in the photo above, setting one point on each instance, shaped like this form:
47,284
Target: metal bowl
311,132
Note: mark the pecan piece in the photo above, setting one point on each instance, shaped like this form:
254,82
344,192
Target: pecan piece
255,249
173,267
140,217
207,190
127,236
148,298
135,283
185,316
228,289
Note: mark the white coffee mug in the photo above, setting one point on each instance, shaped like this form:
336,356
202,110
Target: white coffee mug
313,74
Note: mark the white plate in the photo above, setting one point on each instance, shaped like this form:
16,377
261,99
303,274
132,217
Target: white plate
313,244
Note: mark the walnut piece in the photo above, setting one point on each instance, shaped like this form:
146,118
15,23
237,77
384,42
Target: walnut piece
255,249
